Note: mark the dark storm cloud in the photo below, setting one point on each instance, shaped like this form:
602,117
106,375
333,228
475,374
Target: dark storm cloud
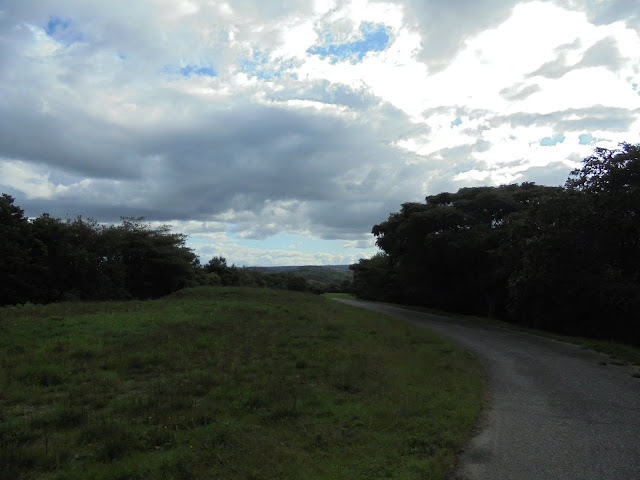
69,139
263,155
368,201
243,160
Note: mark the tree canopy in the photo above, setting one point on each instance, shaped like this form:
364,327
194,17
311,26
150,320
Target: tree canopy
561,258
47,259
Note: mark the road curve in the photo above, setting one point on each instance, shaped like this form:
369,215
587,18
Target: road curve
555,410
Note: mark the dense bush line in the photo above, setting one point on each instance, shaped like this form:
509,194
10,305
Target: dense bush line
47,260
218,273
566,259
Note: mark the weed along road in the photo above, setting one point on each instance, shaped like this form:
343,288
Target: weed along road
556,411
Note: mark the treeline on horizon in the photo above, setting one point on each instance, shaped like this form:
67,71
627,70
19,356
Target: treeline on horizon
46,259
564,259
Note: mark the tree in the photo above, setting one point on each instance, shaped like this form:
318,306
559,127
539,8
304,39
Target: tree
549,251
15,258
562,259
372,278
443,252
610,181
578,266
155,262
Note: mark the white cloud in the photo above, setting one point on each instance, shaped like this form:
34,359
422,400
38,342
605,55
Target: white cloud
28,179
103,115
490,75
242,255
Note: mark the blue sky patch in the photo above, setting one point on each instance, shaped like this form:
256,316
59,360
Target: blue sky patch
56,24
62,30
586,139
456,122
199,70
190,70
551,141
375,39
259,67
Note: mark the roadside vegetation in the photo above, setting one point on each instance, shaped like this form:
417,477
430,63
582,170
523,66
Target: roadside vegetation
619,353
559,259
234,383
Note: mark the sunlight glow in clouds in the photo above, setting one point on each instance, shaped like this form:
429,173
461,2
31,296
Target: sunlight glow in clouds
280,132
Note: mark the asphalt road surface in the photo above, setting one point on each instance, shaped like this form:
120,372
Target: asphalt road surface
555,411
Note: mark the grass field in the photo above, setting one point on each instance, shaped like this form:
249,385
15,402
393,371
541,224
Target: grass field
229,383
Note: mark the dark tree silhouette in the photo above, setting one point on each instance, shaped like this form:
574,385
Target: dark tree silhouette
564,259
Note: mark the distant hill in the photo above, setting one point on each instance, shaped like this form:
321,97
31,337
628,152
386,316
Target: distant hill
319,275
284,268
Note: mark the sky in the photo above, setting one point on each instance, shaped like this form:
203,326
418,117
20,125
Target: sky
279,132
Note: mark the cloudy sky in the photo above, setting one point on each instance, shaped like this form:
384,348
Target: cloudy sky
279,132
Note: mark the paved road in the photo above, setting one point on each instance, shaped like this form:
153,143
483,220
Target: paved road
555,412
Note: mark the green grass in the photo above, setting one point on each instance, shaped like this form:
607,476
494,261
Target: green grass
339,295
229,383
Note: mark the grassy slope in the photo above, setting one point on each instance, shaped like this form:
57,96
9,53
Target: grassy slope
229,383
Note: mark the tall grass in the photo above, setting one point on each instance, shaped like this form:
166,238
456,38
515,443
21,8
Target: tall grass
228,383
